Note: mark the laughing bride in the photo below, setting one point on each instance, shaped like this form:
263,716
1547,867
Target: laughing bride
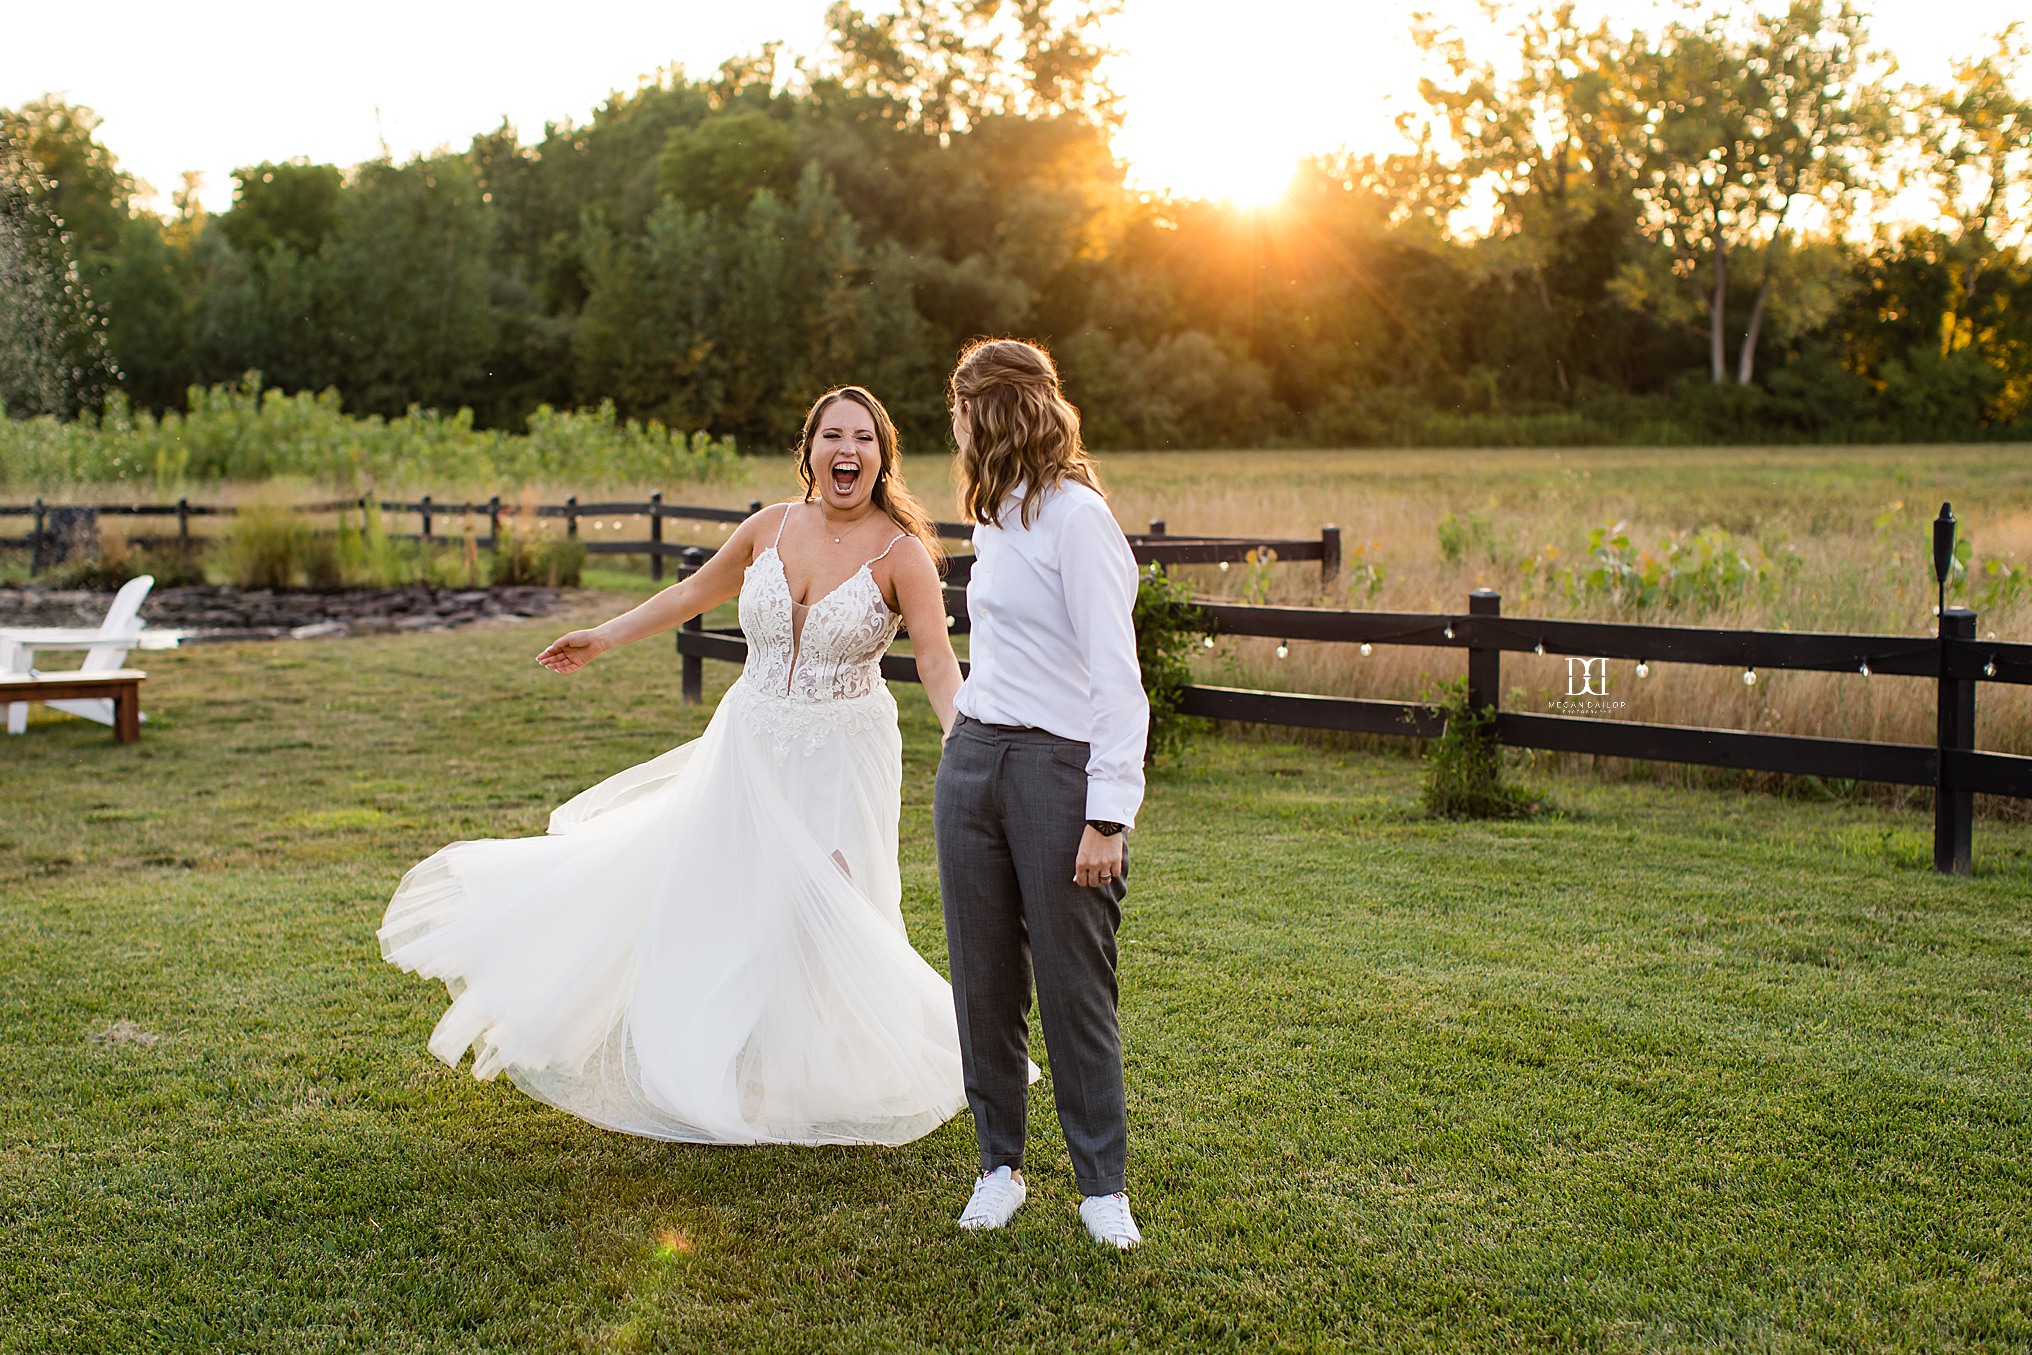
709,947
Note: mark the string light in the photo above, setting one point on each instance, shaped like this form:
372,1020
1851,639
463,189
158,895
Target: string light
951,622
1866,669
1224,566
1990,668
1449,631
1749,677
1538,648
1367,649
1643,669
1208,642
1284,649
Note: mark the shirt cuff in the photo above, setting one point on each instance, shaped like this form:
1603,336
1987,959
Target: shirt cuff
1113,804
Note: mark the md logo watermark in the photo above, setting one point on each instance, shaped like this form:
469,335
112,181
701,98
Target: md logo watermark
1587,689
1587,677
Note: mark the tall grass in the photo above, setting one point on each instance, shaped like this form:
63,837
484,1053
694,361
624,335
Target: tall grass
243,433
1828,539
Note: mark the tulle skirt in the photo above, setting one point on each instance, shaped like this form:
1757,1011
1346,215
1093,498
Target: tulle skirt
705,948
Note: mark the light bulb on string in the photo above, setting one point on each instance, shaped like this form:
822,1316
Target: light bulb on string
1208,641
1990,668
1284,649
1367,649
1449,631
1866,669
1224,566
1538,648
1749,677
1643,669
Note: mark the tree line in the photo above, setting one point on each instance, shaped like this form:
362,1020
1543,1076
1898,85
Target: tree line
1685,234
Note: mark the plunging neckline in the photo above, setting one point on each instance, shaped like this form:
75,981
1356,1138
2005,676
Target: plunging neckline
867,568
796,630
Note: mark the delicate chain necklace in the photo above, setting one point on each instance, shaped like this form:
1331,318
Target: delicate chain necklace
849,529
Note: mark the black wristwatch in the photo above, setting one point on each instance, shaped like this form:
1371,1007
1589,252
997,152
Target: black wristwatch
1104,827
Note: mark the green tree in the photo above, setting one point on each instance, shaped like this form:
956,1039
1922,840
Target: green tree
1744,128
724,161
81,182
293,205
52,336
1976,146
1557,134
408,286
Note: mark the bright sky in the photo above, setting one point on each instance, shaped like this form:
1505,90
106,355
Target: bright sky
1222,98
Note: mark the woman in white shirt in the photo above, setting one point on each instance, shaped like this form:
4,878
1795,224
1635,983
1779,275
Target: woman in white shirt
1041,778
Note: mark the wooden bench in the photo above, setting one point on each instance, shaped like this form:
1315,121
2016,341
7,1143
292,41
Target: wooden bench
123,685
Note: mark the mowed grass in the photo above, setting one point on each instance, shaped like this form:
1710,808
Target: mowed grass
1674,1069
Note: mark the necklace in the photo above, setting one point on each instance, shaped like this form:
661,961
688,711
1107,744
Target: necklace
848,530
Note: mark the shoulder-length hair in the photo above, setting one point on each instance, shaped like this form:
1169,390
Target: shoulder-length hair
891,495
1020,429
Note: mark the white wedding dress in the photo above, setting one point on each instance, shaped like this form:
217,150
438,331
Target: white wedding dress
708,947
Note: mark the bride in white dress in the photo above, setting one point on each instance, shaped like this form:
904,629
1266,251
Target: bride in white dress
709,947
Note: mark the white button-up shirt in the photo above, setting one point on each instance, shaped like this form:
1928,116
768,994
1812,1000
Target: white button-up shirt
1054,638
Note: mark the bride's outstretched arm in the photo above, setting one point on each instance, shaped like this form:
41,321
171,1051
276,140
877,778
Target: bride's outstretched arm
920,597
716,581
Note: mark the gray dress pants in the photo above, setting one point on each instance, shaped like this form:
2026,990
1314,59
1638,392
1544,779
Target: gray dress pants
1009,809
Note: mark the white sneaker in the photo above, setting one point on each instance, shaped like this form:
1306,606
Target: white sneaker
997,1196
1107,1217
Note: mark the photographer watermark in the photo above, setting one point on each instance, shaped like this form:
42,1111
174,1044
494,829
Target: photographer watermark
1587,689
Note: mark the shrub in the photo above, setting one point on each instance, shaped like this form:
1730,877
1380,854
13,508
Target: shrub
1169,626
1464,765
528,557
267,546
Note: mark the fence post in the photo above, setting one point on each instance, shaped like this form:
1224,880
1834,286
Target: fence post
656,537
1157,526
35,542
1330,557
1953,810
754,507
571,516
183,528
694,666
494,523
423,506
1485,666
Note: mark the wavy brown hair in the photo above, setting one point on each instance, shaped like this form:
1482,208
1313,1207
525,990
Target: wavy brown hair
891,495
1020,429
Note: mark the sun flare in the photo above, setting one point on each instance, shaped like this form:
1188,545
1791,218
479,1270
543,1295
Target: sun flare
1226,111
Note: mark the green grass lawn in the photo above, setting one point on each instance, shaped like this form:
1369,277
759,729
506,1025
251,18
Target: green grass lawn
1672,1070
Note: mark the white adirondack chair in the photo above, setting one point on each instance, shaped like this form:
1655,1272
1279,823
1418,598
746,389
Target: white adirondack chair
105,649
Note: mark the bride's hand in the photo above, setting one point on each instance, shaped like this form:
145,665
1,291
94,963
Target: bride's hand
569,653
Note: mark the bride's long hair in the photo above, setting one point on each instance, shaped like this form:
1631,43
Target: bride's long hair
1020,429
891,495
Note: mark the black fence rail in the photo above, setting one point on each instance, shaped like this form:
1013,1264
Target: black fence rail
1955,660
50,524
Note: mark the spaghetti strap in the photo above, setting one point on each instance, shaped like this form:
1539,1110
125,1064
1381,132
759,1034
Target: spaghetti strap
780,524
886,549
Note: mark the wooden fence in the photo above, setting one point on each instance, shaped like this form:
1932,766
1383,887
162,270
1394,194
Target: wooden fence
1955,660
580,518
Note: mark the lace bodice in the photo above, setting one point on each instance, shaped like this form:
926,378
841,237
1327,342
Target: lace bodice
835,656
